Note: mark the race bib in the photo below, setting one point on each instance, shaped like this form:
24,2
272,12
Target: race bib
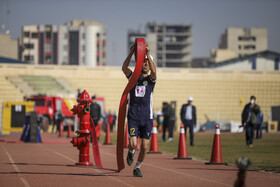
140,91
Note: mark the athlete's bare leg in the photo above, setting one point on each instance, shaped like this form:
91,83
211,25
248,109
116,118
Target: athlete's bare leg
132,143
143,150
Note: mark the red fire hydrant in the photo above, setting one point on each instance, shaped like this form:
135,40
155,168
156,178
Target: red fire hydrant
83,139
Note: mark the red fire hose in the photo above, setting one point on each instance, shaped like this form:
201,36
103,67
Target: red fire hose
139,56
95,147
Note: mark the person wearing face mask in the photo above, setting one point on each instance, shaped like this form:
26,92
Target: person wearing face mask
250,120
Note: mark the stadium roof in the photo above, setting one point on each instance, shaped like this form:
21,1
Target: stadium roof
265,54
11,61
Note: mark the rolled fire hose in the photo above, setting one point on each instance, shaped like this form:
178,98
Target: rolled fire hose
140,53
95,147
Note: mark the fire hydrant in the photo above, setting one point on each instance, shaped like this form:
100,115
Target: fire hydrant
83,140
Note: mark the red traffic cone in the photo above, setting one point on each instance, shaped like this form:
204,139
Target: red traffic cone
69,134
138,144
154,141
182,148
108,140
60,130
126,140
216,157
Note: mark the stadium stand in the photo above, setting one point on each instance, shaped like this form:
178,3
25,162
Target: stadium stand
218,94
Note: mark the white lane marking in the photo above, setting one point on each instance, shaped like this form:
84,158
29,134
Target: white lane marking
178,172
23,180
93,169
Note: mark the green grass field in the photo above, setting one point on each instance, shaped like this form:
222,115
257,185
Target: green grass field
265,155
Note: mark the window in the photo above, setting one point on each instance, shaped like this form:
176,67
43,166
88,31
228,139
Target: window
84,35
254,64
28,58
26,34
276,64
38,102
65,47
66,36
84,47
49,103
29,46
48,35
249,47
34,35
247,38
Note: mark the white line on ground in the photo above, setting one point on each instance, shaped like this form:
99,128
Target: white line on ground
93,169
23,180
178,172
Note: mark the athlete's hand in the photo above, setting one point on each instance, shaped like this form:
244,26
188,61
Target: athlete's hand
147,49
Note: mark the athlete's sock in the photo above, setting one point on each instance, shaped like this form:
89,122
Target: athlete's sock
133,151
138,165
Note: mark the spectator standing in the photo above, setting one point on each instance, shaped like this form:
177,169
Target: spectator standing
188,118
58,118
250,119
172,120
166,111
95,114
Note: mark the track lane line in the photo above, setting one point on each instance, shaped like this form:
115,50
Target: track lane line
23,180
98,171
178,172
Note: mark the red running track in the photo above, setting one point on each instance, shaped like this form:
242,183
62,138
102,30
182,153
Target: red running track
52,164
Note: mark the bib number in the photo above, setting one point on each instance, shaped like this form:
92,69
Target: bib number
140,91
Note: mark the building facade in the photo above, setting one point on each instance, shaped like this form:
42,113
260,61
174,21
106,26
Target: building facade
79,42
171,45
8,47
244,41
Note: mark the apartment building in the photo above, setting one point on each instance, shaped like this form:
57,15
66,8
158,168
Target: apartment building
244,41
170,44
79,42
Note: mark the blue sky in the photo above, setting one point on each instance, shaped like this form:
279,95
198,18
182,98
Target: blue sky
209,18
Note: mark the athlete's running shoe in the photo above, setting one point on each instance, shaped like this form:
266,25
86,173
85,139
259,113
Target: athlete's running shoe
129,158
137,173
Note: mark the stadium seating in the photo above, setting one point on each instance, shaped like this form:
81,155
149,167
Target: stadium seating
218,94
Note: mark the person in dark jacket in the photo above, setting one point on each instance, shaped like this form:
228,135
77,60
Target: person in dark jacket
172,120
250,119
95,114
188,118
166,111
95,111
58,118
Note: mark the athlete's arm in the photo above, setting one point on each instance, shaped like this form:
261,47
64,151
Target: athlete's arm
151,64
125,68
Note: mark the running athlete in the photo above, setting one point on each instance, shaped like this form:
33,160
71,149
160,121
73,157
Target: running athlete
140,108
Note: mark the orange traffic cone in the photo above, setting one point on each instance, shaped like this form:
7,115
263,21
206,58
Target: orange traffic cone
154,141
69,134
60,130
216,157
182,148
108,140
126,140
138,144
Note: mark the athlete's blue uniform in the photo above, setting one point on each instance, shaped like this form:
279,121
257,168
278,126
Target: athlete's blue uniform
140,107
